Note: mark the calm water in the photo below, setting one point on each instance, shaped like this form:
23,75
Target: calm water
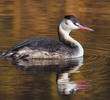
56,80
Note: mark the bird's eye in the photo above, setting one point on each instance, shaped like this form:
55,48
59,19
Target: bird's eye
76,24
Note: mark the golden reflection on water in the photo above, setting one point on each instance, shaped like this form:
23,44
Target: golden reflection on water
22,19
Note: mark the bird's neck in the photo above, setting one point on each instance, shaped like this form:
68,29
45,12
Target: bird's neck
68,40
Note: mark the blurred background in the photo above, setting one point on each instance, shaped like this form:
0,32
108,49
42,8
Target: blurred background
22,19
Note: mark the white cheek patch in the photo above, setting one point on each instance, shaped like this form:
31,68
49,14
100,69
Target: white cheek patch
77,24
69,22
71,25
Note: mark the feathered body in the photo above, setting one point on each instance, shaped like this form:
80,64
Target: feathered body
41,47
48,48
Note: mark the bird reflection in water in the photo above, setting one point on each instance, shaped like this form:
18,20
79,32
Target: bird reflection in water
65,85
63,68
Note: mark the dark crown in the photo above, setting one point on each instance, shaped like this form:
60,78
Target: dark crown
73,18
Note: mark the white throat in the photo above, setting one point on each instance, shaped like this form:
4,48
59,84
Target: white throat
64,32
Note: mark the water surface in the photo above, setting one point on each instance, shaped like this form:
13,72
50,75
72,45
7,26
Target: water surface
24,19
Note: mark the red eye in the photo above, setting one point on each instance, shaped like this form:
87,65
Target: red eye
76,24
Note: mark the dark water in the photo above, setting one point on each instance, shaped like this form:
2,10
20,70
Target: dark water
56,80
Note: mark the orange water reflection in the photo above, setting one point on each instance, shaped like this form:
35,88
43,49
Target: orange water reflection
22,19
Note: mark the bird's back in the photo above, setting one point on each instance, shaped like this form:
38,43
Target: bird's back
39,47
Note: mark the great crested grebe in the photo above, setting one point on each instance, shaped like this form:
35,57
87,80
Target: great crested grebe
47,48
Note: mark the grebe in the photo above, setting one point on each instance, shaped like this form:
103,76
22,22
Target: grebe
48,48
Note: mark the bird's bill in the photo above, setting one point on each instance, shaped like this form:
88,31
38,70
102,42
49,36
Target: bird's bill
85,28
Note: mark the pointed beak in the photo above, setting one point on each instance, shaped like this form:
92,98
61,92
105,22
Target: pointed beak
85,28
